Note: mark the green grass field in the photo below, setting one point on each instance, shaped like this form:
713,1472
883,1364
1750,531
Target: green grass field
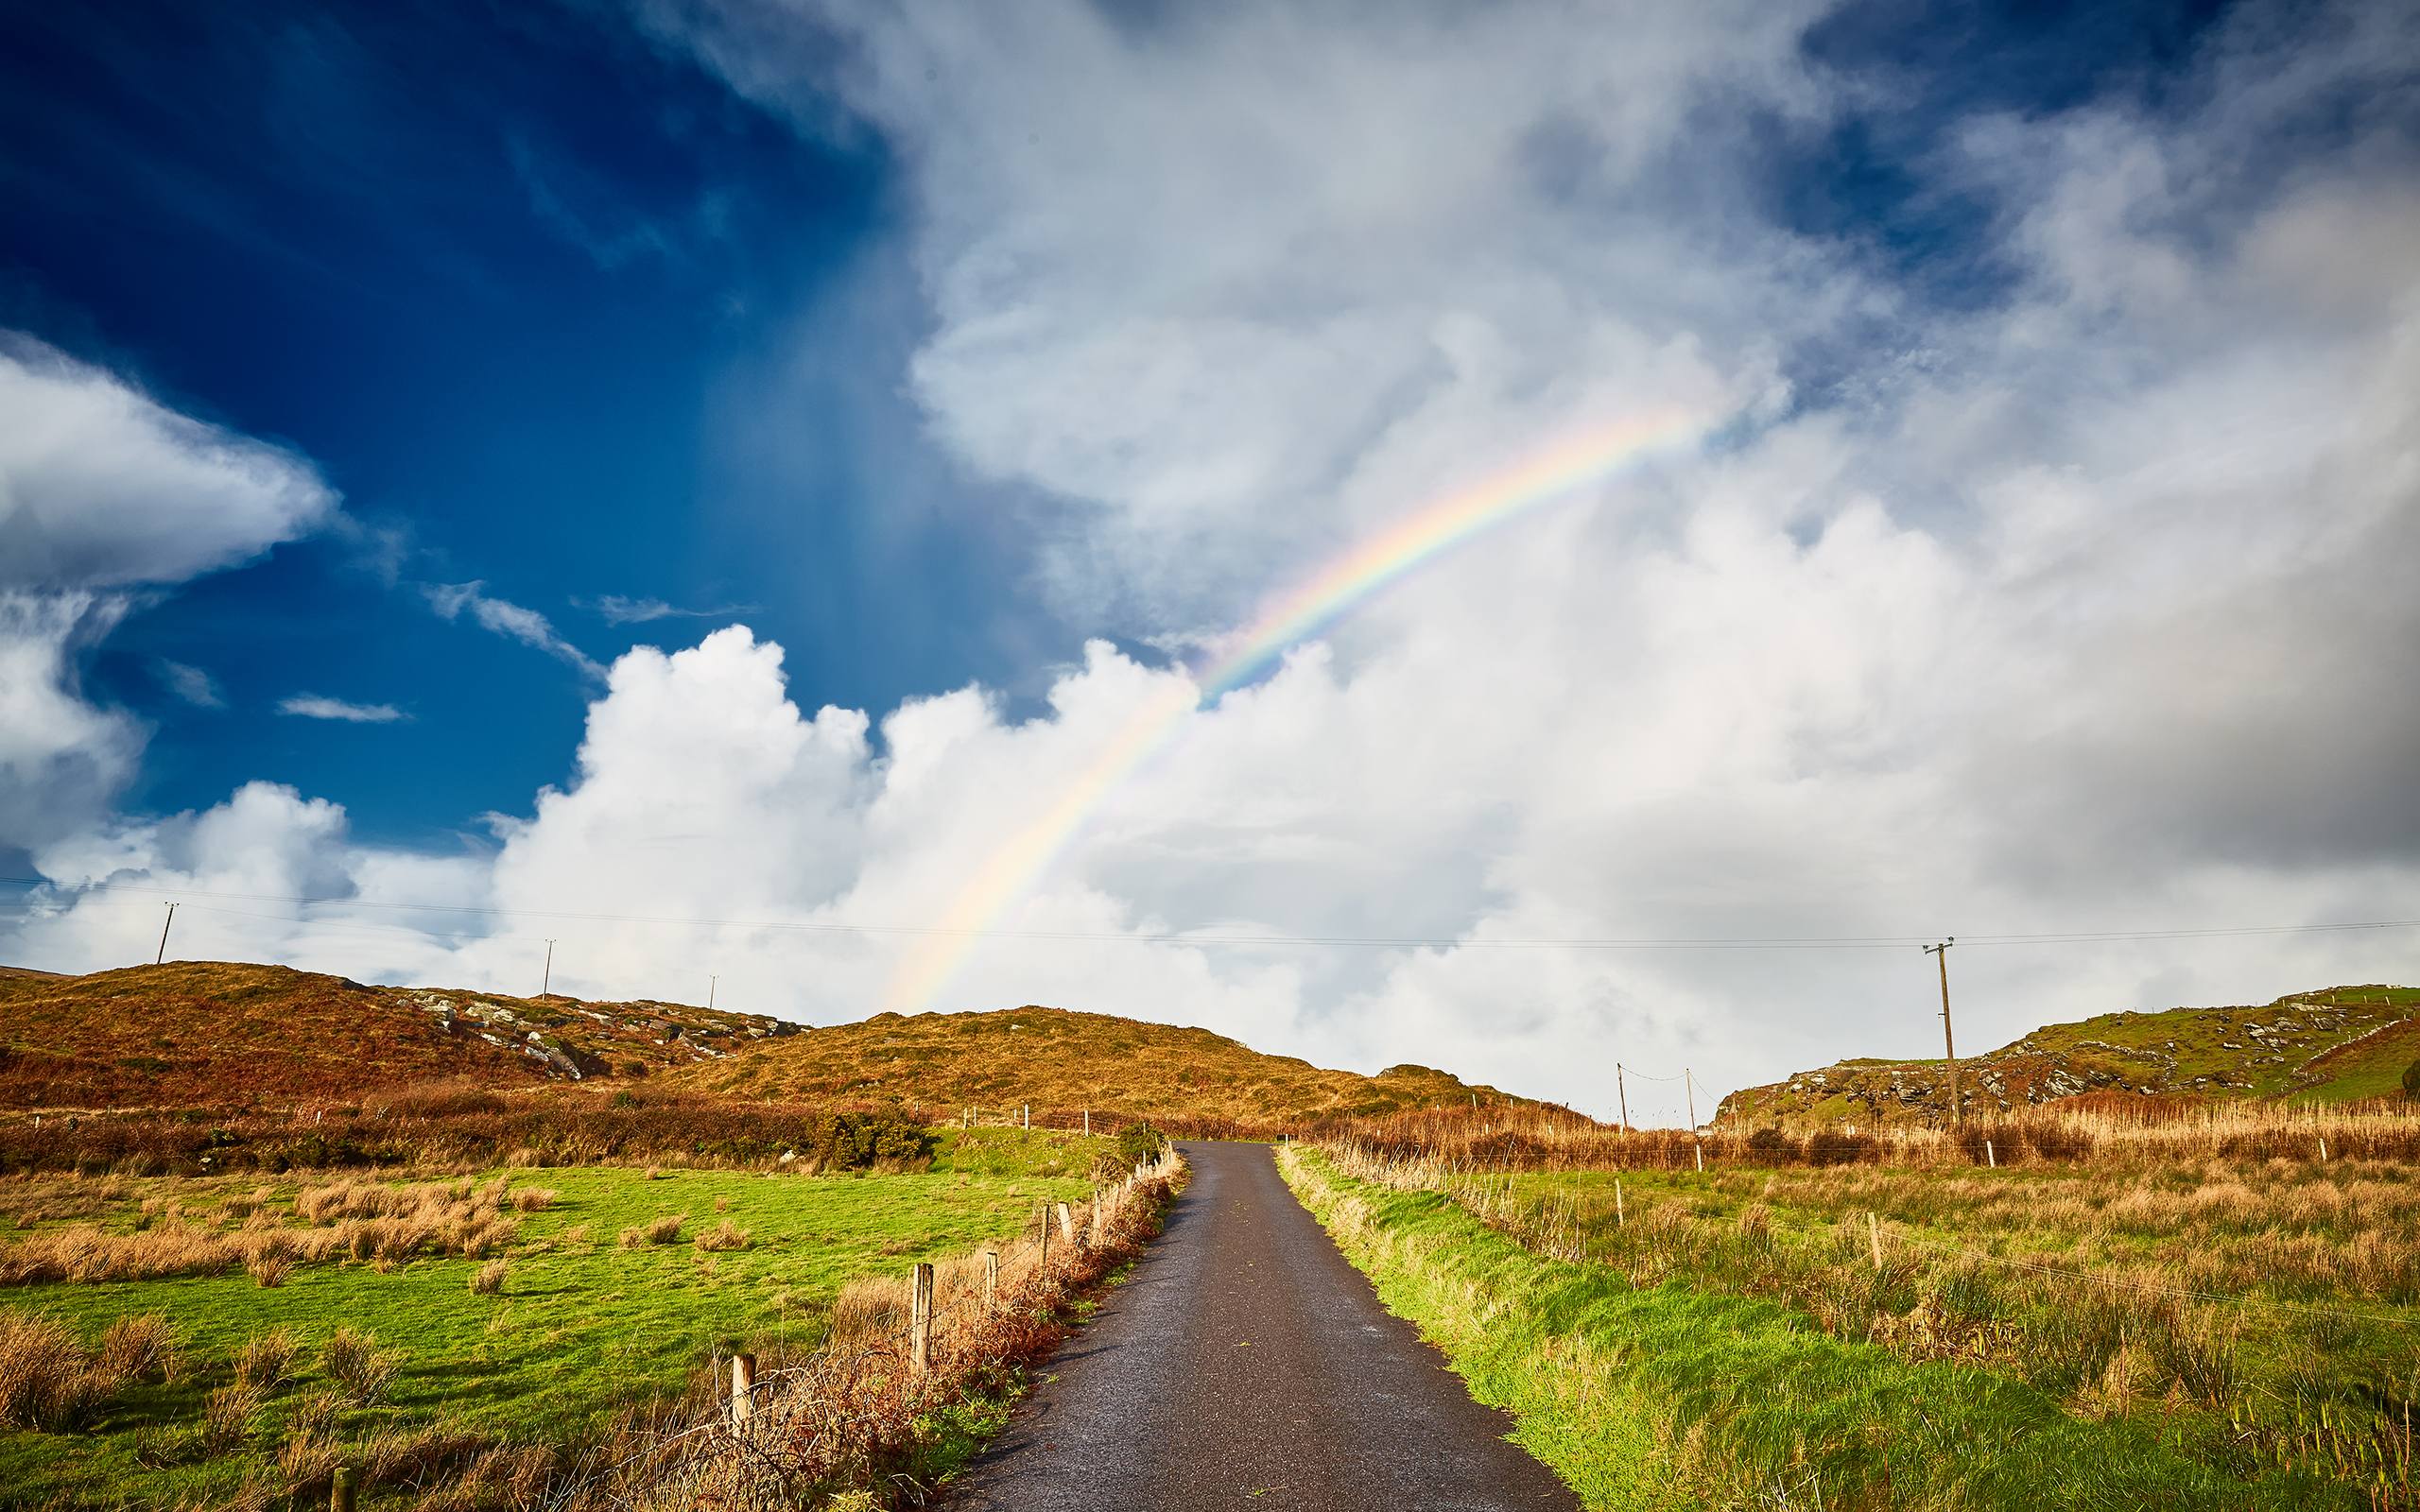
581,1326
1676,1394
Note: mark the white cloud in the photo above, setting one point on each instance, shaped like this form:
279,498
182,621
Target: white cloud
2067,608
312,705
101,486
192,684
104,493
513,621
615,609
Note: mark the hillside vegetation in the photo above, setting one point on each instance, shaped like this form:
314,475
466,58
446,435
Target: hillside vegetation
214,1033
2336,1045
1061,1062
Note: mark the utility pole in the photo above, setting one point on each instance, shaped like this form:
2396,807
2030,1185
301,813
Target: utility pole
163,954
1622,1092
1948,1046
710,992
1688,1085
547,983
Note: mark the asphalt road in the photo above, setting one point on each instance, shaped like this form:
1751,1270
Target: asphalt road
1246,1365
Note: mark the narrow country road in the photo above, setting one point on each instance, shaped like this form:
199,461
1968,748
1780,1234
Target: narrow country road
1246,1365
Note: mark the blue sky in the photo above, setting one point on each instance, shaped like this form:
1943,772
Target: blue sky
962,380
528,286
523,285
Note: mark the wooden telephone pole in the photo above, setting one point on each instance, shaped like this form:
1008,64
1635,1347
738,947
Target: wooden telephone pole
1623,1092
161,953
1948,1045
547,983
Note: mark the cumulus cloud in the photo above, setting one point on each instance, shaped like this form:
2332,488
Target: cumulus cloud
192,684
513,621
105,492
312,705
102,486
2070,607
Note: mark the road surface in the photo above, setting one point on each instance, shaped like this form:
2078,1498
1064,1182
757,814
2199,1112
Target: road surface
1246,1365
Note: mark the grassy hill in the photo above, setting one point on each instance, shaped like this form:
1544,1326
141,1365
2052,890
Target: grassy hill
212,1032
2336,1045
1062,1061
217,1034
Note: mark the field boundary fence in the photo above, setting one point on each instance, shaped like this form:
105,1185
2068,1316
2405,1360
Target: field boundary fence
899,1348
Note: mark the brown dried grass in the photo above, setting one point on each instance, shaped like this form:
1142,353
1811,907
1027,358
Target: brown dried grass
360,1369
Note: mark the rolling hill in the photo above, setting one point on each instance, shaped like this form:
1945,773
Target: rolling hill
220,1035
1060,1060
2334,1045
212,1034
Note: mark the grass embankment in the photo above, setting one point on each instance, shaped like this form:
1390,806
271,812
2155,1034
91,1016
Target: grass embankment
1669,1396
603,1304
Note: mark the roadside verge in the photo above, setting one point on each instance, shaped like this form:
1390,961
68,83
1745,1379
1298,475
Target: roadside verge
1671,1398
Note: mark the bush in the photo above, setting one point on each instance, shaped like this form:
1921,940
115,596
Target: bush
1140,1145
1834,1148
1771,1146
858,1142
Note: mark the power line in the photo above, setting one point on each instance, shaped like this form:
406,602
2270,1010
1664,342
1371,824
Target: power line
1780,942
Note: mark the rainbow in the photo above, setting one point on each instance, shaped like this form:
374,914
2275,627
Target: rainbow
1322,599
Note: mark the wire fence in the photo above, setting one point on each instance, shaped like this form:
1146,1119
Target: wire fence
845,1413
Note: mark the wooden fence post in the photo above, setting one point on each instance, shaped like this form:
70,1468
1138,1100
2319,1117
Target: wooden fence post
341,1490
1066,1224
1088,1123
743,1389
919,1318
1991,1157
991,1279
1028,1118
2323,1149
1701,1149
1874,1235
1046,1235
1096,1224
1619,1219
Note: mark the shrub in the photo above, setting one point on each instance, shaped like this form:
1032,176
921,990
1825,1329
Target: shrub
1832,1148
858,1142
359,1366
267,1360
489,1279
1771,1146
1140,1145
